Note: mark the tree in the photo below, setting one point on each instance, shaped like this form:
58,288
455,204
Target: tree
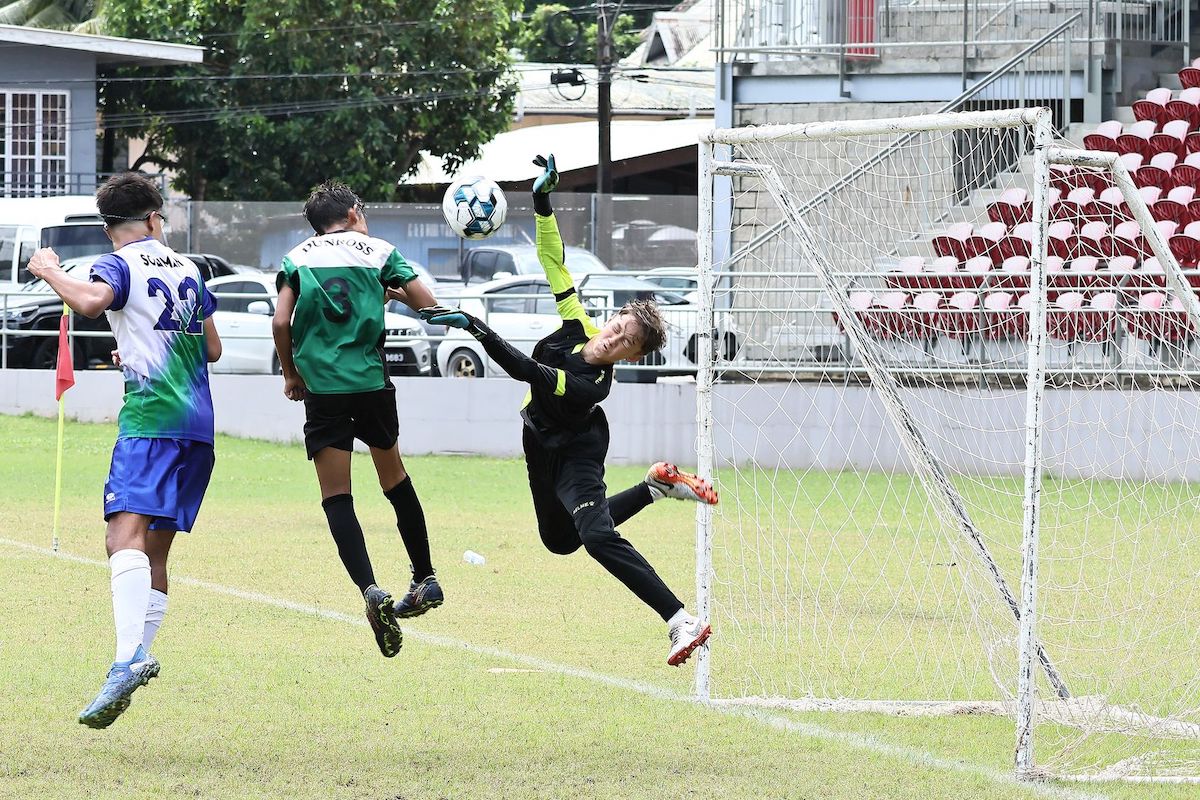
549,27
54,14
293,92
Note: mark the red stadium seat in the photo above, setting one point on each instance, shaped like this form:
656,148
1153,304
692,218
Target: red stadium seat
860,302
1126,240
1081,273
975,272
1159,171
1157,317
1060,238
1019,241
1116,273
1105,137
1192,143
1077,207
1000,315
953,242
1012,208
1136,139
1185,107
1017,273
1187,173
1175,205
1064,316
892,312
1149,275
1110,206
1092,239
941,274
960,315
1190,76
1154,107
1185,246
906,274
926,315
985,241
1171,139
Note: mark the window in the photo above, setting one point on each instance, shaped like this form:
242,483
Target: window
238,304
502,301
34,145
505,263
483,265
544,303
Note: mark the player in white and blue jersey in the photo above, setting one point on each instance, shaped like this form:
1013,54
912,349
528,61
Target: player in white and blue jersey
161,316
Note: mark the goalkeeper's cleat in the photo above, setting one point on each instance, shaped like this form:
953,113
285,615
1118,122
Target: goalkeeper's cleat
382,616
117,692
419,598
686,635
671,481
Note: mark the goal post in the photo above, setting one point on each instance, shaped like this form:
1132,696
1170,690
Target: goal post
877,434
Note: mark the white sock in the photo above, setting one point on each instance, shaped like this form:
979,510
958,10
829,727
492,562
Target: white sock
156,609
656,493
681,616
131,595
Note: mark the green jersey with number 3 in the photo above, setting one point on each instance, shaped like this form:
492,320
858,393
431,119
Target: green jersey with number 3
337,327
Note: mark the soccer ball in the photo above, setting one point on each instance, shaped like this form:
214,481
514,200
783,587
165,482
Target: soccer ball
474,208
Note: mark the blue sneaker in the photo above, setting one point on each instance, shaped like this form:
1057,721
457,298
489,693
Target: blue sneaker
420,597
116,693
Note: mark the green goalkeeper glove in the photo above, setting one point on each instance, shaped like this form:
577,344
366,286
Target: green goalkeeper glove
442,315
548,181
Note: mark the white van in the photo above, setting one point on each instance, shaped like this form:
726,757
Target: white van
70,224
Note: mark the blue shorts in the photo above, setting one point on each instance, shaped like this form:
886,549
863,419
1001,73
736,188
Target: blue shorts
160,478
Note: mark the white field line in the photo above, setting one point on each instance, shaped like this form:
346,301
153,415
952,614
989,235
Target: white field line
859,741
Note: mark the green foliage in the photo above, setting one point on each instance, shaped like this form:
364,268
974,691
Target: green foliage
356,91
552,25
54,14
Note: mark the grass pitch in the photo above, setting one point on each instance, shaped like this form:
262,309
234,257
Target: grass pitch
541,677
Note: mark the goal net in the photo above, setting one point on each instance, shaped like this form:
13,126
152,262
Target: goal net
956,442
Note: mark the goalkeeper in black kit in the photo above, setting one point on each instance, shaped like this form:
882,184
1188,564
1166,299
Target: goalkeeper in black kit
565,435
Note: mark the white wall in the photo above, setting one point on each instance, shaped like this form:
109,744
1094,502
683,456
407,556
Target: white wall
437,415
1133,434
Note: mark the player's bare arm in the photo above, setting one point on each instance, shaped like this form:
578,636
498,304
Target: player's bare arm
281,330
212,341
88,298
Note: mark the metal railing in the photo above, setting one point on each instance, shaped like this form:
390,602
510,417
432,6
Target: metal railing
26,183
968,34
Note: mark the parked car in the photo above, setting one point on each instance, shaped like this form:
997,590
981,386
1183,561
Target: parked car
681,280
35,308
446,295
69,223
244,322
522,310
488,262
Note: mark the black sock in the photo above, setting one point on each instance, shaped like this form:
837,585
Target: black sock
624,505
410,520
348,536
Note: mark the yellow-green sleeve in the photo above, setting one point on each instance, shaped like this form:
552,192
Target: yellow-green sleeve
552,256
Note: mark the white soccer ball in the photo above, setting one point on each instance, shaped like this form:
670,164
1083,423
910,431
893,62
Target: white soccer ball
474,208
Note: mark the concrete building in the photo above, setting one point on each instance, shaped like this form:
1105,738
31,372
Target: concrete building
48,103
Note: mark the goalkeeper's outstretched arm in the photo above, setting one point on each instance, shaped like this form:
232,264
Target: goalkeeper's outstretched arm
550,250
513,361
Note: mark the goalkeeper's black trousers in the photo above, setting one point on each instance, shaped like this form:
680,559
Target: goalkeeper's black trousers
568,488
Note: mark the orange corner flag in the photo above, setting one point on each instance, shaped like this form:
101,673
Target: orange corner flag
65,376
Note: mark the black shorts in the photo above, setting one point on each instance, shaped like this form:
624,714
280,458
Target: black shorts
336,420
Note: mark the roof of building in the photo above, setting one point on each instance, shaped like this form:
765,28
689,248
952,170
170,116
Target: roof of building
107,49
508,157
681,37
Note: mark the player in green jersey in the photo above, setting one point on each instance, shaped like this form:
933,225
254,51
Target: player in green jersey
329,333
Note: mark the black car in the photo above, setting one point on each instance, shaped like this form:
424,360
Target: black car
24,351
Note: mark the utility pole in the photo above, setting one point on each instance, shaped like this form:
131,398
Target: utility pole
604,181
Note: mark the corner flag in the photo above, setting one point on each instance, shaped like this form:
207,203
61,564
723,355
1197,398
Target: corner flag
64,378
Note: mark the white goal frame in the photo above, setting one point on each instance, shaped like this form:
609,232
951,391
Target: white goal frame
714,163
